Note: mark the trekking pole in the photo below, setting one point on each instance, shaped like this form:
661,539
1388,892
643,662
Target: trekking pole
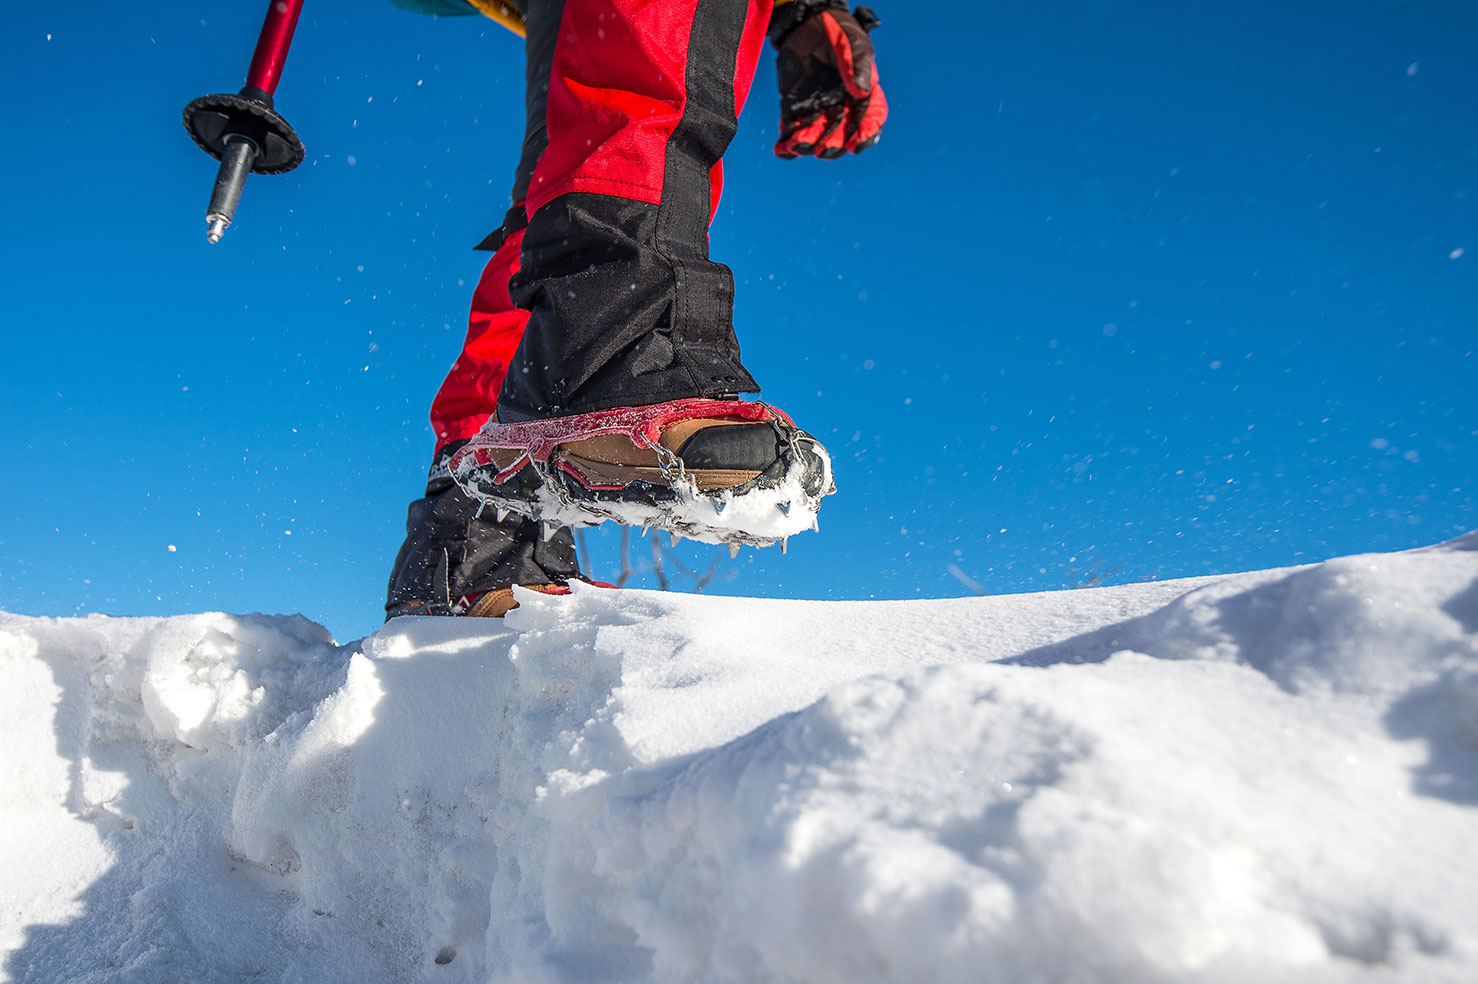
243,131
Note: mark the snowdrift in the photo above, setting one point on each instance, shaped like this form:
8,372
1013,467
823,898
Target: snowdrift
1260,777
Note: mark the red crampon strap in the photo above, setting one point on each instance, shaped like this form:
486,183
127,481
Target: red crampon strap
643,426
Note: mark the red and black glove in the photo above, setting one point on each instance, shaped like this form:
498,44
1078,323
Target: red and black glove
830,100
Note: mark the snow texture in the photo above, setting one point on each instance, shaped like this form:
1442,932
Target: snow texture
1268,776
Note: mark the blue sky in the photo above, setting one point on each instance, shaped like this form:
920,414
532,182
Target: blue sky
1152,289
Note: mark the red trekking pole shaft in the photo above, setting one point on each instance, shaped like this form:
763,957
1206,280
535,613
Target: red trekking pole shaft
272,44
242,130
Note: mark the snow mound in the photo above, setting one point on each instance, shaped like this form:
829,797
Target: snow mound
1269,776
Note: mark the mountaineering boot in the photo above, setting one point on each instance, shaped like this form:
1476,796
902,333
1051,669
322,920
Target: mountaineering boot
461,559
720,471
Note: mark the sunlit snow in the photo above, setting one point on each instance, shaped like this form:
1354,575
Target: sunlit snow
1260,777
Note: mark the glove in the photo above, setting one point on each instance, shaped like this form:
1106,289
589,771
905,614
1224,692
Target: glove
830,100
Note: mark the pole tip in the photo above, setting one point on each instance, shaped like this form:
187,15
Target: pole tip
216,229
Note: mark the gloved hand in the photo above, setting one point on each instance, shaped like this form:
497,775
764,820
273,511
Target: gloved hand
830,100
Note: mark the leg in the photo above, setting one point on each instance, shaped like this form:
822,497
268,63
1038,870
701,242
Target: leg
626,306
618,404
469,395
454,560
457,552
451,557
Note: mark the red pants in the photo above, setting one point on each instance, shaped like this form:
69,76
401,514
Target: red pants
618,302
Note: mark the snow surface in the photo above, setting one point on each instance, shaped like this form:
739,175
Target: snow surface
1258,777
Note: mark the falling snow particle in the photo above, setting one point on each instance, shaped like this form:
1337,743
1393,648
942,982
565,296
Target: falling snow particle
1455,254
172,548
1412,68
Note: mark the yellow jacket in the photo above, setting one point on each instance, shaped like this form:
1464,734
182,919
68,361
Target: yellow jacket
502,12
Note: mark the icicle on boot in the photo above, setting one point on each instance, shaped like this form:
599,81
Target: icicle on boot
719,471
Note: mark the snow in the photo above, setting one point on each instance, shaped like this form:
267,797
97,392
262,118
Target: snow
1268,776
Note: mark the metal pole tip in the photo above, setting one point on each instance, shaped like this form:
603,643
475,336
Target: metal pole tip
217,227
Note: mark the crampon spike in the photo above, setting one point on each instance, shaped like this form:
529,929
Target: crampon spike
733,549
502,513
575,491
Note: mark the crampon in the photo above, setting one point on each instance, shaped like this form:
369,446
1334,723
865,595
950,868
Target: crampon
718,471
